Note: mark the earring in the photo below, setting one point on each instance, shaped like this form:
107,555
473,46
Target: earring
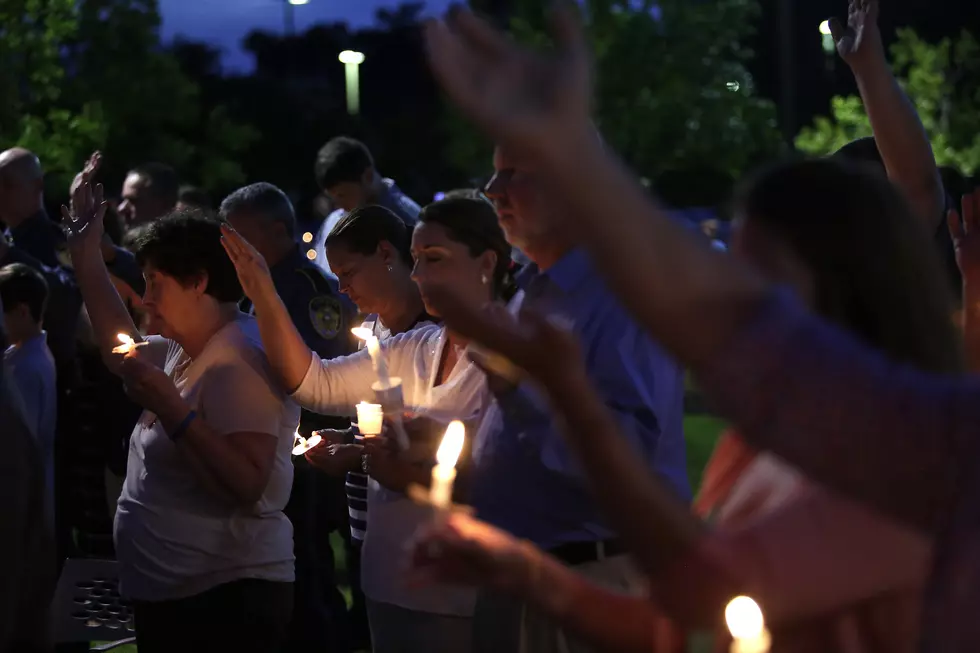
389,268
484,279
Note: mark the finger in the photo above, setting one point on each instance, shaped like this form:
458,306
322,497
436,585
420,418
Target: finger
66,218
478,33
955,227
837,30
99,194
970,214
566,27
454,66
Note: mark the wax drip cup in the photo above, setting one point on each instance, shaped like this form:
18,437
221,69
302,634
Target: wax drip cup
389,395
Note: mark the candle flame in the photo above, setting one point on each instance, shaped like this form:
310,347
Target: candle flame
125,339
744,618
362,333
452,444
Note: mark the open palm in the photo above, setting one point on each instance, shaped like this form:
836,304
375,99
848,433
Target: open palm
522,98
860,36
84,221
253,271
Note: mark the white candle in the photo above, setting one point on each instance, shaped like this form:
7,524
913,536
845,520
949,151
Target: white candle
370,418
747,626
303,445
374,349
444,473
128,344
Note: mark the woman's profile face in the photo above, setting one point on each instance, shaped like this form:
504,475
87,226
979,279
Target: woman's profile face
365,279
169,305
445,263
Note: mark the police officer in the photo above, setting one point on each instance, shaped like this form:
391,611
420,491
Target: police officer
264,216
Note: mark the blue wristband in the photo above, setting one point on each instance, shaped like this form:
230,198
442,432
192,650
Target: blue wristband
182,427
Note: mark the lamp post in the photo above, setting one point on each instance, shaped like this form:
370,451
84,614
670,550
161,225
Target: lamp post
288,17
352,61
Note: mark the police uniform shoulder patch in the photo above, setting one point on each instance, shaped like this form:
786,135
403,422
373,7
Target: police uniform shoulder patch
325,315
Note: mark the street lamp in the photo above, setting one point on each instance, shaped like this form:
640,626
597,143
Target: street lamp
828,37
288,18
352,60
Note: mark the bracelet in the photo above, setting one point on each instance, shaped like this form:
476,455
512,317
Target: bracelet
182,427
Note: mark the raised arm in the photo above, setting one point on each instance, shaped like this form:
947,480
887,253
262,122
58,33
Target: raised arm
106,310
899,134
703,305
288,354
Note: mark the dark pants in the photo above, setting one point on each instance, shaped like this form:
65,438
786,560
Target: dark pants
245,616
360,631
320,616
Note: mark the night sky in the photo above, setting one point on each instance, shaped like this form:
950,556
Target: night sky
224,23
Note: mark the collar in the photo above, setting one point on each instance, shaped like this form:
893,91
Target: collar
568,273
37,219
295,258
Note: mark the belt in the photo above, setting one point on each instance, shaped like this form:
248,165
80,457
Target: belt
580,553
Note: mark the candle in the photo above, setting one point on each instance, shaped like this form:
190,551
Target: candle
374,349
747,626
369,419
128,344
444,473
303,445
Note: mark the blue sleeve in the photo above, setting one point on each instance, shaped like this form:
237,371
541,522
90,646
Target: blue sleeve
125,267
641,387
322,316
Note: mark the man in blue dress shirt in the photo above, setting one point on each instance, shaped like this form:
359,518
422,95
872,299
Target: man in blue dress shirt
525,478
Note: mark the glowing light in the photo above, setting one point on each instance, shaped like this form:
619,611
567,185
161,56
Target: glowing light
452,444
747,626
307,237
351,57
733,86
303,445
825,28
311,254
444,473
128,344
298,2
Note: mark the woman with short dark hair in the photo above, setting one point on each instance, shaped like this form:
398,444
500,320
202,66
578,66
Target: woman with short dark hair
205,551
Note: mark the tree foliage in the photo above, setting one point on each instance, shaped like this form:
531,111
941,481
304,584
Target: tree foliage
93,74
672,88
941,79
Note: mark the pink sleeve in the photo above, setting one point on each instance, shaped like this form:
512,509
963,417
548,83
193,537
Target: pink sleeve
816,554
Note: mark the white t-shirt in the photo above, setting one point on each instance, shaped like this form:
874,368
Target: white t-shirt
333,387
174,537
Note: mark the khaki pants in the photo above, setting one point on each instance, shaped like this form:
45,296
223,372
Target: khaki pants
503,624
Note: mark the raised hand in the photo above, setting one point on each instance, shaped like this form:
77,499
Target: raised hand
859,39
88,172
83,222
544,349
253,271
459,549
522,98
966,237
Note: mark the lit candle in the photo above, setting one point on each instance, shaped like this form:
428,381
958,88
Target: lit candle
374,349
444,473
747,626
128,344
303,445
370,418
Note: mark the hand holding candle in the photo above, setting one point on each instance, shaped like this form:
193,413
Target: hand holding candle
303,445
128,344
747,626
444,473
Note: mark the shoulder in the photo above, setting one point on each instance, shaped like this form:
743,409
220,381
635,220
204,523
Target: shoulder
314,300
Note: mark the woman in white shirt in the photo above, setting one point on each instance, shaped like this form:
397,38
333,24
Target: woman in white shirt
204,549
457,244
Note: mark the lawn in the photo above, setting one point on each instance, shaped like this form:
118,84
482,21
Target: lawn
700,431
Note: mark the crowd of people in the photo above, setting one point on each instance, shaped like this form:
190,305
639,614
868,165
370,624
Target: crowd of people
553,312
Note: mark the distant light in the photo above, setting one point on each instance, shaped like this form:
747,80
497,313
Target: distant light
351,57
645,182
733,86
298,2
307,237
825,28
439,197
311,254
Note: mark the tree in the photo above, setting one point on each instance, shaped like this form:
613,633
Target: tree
672,93
33,113
941,79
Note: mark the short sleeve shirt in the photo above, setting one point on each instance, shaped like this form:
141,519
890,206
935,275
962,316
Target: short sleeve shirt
174,537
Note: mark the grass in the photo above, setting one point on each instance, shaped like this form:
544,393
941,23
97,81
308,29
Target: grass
700,432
